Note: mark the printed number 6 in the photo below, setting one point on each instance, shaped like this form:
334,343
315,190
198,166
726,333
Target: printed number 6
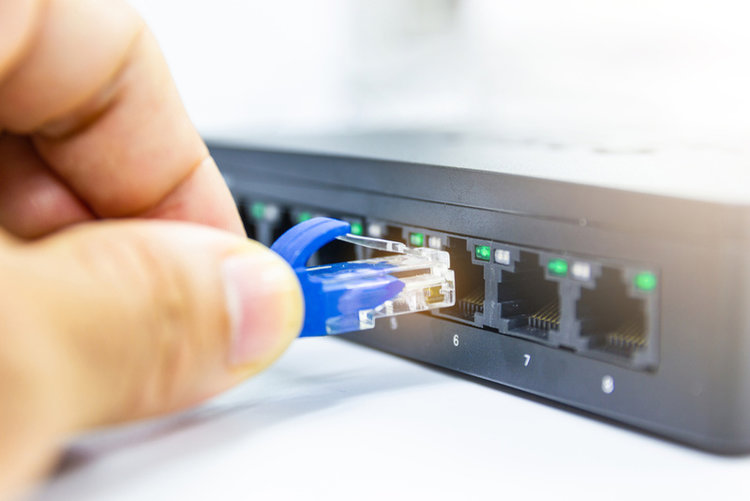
455,340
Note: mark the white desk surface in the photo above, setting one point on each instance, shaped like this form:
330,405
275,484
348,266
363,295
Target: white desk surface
333,420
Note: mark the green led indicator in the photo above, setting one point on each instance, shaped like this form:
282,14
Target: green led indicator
303,216
258,210
645,281
357,228
482,252
416,239
558,267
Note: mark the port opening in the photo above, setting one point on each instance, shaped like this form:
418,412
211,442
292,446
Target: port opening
264,221
529,303
247,220
283,223
611,320
469,283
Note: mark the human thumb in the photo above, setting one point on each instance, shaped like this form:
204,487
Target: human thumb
135,319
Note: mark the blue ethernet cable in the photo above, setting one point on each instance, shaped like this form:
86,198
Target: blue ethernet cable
349,296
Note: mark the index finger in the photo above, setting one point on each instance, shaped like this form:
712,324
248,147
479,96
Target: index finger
86,79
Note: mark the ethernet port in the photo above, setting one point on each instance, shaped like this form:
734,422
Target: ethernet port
612,321
469,284
282,224
528,303
247,221
264,221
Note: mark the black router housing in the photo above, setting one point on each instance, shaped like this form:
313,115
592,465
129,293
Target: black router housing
668,351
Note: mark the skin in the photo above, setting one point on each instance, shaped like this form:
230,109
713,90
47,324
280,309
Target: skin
113,304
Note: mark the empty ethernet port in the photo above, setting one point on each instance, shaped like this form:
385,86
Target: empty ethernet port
529,303
282,224
469,283
247,221
264,221
610,319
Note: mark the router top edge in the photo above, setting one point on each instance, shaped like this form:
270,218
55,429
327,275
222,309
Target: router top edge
702,173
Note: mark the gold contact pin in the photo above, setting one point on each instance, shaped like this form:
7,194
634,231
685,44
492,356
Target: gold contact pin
548,317
630,336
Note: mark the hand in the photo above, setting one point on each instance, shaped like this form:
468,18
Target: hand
104,320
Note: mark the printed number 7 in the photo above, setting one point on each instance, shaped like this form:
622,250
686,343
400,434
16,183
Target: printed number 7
526,359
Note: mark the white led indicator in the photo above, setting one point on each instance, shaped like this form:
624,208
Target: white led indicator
581,271
271,213
608,384
434,242
502,256
375,230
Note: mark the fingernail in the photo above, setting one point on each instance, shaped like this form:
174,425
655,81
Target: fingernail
264,303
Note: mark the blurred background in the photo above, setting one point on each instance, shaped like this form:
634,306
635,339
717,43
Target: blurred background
619,74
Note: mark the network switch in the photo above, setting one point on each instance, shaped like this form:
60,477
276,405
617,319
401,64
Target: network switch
625,304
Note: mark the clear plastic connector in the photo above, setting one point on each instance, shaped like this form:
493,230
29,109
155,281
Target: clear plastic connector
349,296
426,287
423,276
